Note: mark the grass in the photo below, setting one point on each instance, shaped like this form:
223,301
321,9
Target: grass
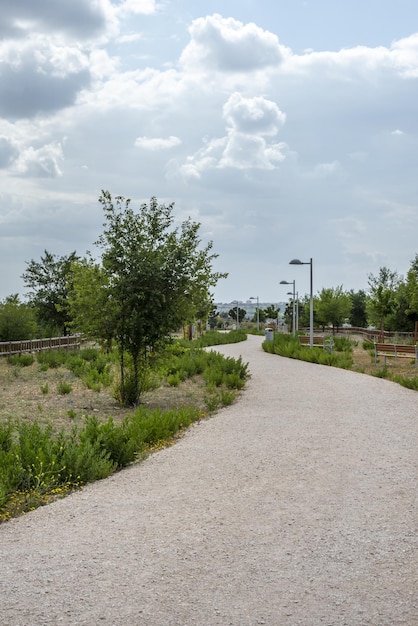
59,432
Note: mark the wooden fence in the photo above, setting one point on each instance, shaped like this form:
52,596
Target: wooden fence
71,342
367,333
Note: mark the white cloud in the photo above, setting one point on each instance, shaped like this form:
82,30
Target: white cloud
249,121
157,143
40,163
251,152
358,62
228,45
142,7
253,115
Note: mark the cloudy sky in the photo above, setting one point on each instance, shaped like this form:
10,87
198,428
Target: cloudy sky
286,128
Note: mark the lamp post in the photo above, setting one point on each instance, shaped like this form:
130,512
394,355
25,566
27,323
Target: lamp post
298,262
285,282
258,311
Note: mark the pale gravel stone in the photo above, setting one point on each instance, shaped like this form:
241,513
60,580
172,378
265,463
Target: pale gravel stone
295,506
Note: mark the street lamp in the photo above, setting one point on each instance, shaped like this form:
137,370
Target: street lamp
297,262
285,282
258,311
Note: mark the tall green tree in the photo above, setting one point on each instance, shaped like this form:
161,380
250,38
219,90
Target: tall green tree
232,313
261,317
382,300
401,319
154,278
17,320
358,314
271,312
333,306
48,281
90,309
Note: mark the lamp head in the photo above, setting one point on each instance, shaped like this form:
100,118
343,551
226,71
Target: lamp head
295,262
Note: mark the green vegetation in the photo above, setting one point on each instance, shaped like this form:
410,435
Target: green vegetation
48,282
153,278
38,464
289,346
17,320
333,307
20,360
215,338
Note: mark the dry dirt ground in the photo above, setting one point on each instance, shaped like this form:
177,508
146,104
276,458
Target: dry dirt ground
294,506
21,396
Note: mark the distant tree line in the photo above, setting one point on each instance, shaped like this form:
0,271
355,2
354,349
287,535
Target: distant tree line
390,303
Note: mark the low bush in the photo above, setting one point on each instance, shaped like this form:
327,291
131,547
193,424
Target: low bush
342,344
409,383
64,387
215,338
368,345
288,346
21,360
33,461
51,358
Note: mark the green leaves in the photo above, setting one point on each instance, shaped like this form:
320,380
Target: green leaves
153,279
48,281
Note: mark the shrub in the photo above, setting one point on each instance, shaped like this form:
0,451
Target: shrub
288,346
368,345
215,338
409,383
51,358
21,360
342,344
64,388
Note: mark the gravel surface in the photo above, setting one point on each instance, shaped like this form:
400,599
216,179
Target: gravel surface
297,505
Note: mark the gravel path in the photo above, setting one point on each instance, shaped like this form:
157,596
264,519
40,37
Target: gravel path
297,505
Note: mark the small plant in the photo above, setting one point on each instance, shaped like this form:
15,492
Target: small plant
71,414
45,389
212,402
227,397
173,380
382,372
64,388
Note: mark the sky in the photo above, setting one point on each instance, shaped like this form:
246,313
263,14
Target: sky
286,129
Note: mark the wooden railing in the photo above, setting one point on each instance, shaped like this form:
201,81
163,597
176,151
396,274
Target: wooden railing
367,333
71,342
